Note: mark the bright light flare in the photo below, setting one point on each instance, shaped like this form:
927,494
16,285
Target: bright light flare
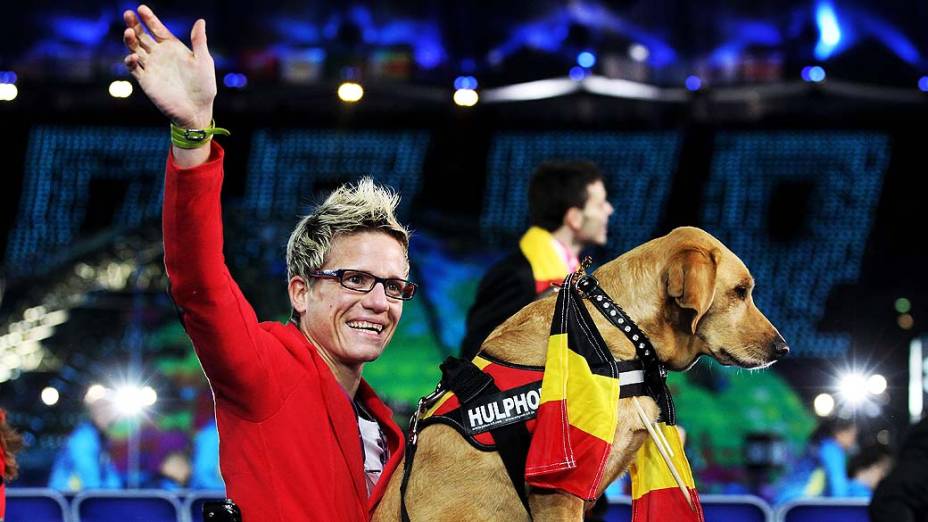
466,97
120,89
853,388
148,396
94,393
128,401
50,396
824,404
350,92
8,92
876,384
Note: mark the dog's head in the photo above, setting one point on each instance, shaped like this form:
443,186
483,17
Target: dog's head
704,305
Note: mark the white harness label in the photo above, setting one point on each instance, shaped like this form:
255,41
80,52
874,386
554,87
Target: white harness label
503,408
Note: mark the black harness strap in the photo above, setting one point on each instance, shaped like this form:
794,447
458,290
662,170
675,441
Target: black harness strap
407,468
512,441
468,383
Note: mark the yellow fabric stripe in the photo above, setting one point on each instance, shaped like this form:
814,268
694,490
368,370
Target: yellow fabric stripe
481,363
650,472
591,399
444,398
553,385
537,246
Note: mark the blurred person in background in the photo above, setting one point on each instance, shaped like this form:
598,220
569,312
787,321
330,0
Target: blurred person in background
10,443
84,461
569,211
822,469
174,471
866,469
903,495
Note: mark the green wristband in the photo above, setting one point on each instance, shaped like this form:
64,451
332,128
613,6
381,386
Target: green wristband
195,138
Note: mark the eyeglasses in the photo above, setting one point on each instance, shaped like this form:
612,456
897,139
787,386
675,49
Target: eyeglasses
361,281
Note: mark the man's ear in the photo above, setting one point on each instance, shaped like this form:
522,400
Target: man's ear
573,218
690,278
297,288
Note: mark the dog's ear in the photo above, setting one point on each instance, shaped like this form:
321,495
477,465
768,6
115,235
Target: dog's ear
691,281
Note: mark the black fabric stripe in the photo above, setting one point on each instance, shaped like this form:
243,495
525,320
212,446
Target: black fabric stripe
508,364
632,390
627,366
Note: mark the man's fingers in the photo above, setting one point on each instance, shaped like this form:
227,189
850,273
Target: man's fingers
132,42
154,25
134,64
132,22
198,38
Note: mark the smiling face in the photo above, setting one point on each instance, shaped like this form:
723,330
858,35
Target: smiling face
350,327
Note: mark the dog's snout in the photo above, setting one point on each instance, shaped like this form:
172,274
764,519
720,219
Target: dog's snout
779,348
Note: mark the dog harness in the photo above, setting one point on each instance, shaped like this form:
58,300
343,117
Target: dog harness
515,399
493,403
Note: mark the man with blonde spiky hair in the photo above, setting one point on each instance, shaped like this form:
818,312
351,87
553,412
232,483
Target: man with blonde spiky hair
302,435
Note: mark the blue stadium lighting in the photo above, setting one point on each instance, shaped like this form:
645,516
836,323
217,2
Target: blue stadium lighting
813,73
235,80
577,73
693,82
428,53
465,82
828,29
393,158
923,84
39,231
895,40
7,77
586,59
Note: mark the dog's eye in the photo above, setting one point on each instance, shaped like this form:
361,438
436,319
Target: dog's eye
741,291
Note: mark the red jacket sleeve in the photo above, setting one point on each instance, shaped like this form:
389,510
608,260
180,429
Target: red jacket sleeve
232,347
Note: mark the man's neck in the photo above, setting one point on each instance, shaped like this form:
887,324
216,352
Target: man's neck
349,377
567,238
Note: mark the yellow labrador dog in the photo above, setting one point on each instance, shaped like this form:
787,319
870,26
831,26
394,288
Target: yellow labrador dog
686,291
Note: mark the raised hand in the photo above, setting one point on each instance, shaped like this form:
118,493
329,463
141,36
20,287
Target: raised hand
181,82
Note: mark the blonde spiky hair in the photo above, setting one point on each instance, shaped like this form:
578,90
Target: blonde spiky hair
363,206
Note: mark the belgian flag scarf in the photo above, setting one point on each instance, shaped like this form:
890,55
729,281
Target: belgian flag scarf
578,416
548,265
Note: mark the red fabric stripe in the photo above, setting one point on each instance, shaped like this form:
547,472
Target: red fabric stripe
578,478
666,504
543,286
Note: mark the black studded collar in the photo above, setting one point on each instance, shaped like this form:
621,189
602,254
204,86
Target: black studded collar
655,372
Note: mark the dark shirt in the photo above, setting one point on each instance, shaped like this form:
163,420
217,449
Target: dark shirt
507,286
903,495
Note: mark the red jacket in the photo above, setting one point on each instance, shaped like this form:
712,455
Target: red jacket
2,484
290,449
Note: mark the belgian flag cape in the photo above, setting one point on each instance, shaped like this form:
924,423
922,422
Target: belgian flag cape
578,416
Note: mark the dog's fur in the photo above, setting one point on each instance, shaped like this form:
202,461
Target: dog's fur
691,296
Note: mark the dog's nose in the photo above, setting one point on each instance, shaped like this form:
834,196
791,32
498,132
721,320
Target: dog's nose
779,348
